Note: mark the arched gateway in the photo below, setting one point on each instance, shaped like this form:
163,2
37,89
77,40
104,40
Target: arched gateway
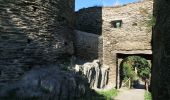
135,72
123,56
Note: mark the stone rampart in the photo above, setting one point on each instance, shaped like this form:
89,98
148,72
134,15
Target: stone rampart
87,45
123,28
132,34
89,20
33,32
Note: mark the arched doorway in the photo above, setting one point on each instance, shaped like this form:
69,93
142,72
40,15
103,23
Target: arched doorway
140,65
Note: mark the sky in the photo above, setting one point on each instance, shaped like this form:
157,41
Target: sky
88,3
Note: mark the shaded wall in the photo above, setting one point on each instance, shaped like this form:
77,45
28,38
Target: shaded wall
161,51
88,45
88,42
33,32
89,20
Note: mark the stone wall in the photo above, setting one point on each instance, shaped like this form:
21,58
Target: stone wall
89,20
132,35
33,32
161,51
87,45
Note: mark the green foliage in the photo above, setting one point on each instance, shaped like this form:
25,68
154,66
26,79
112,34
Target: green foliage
150,23
143,67
130,63
128,71
144,72
148,96
100,95
108,94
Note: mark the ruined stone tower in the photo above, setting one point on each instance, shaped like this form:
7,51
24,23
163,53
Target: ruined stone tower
121,31
33,32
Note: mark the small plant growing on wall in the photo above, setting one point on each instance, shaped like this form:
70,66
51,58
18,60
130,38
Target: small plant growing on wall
150,23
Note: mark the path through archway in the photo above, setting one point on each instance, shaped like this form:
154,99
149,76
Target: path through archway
134,72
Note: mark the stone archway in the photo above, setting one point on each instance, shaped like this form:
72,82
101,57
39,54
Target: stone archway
121,56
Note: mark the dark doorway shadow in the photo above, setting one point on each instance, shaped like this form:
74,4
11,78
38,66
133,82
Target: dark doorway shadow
137,84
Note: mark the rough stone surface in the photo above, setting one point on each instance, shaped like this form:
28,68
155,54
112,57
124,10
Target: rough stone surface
95,73
33,35
132,36
33,32
47,83
89,20
88,45
161,51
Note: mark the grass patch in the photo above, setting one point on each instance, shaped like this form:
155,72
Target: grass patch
148,96
108,94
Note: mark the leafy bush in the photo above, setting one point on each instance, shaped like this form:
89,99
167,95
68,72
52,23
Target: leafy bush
128,71
148,96
131,63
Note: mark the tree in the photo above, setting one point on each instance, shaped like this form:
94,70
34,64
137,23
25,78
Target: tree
134,67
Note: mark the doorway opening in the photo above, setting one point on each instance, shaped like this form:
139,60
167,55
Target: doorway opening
133,70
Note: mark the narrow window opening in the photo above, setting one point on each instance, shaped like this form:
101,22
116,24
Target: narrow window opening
116,23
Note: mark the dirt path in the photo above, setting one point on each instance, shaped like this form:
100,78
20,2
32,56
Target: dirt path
132,94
